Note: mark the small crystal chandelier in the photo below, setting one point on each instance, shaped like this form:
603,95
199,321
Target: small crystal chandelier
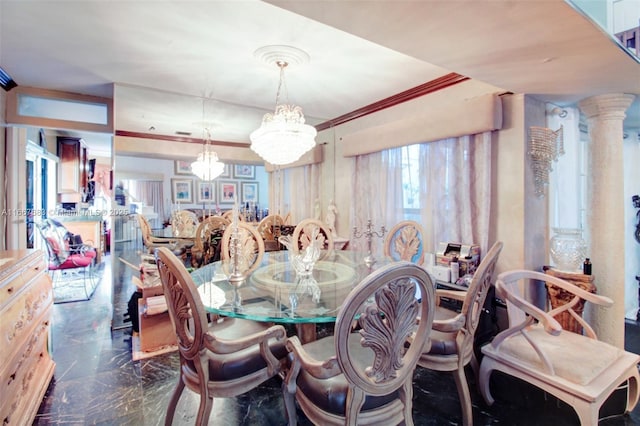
207,167
545,146
283,137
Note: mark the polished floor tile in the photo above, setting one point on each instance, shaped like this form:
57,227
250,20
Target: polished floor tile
97,383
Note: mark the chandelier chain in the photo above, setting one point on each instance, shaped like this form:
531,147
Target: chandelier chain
282,83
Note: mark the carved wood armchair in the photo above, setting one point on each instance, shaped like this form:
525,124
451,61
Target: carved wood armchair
576,368
152,242
207,245
224,358
364,376
453,332
184,224
304,232
251,247
405,241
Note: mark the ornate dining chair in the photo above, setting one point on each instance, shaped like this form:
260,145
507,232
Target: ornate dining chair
207,245
251,246
304,233
184,224
224,358
152,242
576,368
229,216
405,241
364,375
452,338
269,228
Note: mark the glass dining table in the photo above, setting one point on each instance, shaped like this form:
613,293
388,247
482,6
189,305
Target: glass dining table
273,292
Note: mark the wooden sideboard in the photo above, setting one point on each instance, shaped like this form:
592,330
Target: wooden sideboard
26,298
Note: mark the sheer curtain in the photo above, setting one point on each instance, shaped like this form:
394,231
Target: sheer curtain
151,193
455,194
455,191
294,190
377,193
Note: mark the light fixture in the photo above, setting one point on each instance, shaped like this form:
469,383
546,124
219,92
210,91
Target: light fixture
283,136
207,167
545,146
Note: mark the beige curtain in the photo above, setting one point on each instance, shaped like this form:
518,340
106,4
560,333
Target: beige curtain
455,191
376,194
295,190
151,193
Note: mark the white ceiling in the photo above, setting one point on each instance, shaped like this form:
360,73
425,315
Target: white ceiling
166,56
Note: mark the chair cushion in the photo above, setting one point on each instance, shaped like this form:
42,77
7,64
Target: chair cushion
574,357
73,261
443,343
330,394
242,363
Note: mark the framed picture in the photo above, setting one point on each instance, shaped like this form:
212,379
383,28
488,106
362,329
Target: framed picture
227,191
183,167
182,190
244,171
249,192
227,171
205,192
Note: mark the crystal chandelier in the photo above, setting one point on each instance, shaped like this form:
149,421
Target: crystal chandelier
283,137
545,146
207,167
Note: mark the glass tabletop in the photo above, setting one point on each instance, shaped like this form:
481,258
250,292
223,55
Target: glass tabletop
274,293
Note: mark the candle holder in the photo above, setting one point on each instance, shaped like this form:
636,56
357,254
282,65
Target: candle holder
369,233
236,278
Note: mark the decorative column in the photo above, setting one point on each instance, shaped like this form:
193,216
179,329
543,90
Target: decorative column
605,114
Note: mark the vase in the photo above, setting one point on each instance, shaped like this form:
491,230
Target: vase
567,249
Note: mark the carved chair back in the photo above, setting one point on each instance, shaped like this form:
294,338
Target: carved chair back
304,233
370,367
250,247
267,226
184,224
207,245
405,241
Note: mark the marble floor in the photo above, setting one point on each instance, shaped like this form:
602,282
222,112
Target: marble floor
97,383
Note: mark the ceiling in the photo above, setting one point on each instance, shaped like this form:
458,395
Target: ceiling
177,65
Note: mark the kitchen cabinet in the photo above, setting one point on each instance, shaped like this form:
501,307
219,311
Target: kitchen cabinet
73,174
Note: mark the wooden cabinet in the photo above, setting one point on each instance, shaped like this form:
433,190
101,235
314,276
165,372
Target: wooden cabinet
72,174
26,298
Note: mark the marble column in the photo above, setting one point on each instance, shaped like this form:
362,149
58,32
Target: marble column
605,114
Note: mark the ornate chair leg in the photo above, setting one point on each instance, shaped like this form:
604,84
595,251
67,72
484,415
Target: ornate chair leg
173,402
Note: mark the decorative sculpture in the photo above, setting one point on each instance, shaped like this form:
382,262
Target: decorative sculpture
330,219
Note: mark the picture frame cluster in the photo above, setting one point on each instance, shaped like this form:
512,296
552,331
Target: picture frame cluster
223,191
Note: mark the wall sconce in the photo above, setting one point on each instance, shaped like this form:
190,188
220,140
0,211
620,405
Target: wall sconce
545,146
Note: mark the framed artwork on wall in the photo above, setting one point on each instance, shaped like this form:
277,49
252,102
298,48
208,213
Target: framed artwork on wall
244,171
227,171
182,190
227,191
205,192
249,191
183,167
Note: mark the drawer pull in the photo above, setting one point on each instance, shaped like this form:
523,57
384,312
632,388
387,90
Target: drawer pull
11,378
10,290
5,421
